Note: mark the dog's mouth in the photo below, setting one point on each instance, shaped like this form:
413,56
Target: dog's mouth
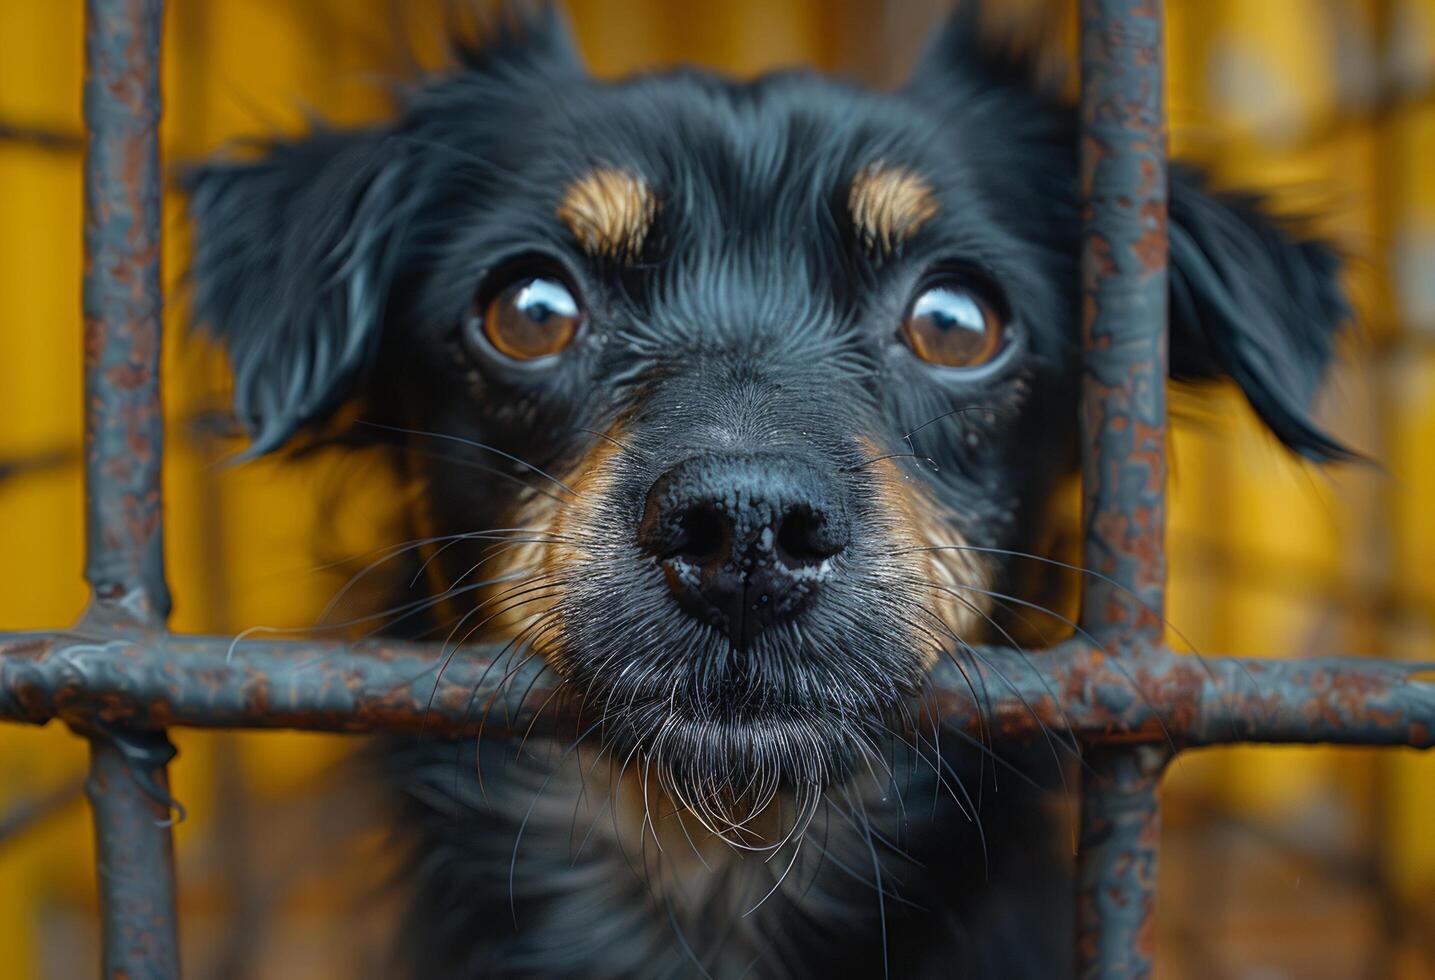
733,751
742,626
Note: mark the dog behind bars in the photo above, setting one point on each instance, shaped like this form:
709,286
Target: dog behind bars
738,405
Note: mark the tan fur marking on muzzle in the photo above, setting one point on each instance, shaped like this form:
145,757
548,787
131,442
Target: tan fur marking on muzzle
933,552
609,211
552,540
889,204
563,527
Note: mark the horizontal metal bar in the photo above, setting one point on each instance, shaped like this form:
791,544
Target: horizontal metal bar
1188,701
153,680
158,679
46,138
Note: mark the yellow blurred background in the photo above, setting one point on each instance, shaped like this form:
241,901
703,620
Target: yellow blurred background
1286,862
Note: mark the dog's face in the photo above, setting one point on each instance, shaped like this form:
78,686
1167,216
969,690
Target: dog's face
765,375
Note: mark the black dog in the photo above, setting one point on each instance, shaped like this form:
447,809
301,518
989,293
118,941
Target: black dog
728,397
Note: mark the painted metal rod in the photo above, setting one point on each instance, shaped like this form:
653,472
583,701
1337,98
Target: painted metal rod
124,427
124,438
151,682
134,853
1180,701
1123,322
157,680
1122,169
1116,866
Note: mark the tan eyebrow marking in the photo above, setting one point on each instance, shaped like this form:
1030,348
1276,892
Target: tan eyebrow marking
889,204
609,211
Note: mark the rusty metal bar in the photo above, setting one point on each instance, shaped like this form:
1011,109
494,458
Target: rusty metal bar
124,438
1185,702
1116,866
155,681
124,427
129,791
160,680
1122,169
1123,319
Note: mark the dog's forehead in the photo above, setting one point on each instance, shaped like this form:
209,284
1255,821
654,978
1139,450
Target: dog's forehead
764,161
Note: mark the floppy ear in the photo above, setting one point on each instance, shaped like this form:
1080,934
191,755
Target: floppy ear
1256,302
1251,299
293,260
298,250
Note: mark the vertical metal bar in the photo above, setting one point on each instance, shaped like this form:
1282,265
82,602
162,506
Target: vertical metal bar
124,427
124,436
127,788
1122,160
1120,831
1124,299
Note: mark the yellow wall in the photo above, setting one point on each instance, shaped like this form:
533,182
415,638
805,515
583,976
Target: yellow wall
1267,555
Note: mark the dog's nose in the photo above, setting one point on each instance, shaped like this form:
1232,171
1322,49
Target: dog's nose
745,542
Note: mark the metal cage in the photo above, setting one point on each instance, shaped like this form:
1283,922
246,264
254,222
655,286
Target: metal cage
119,678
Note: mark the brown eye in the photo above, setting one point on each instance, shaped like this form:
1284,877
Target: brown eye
954,326
533,317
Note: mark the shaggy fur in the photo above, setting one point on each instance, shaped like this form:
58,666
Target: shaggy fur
757,792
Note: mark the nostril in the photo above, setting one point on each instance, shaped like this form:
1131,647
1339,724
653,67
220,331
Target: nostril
704,536
806,538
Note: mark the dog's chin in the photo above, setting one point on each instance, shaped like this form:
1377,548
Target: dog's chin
728,734
751,778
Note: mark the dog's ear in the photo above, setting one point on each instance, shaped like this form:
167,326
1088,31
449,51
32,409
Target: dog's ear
1257,302
293,258
298,247
1251,299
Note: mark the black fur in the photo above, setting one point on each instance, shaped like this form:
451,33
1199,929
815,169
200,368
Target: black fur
342,267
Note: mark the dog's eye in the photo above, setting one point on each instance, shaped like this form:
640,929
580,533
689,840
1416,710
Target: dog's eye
954,325
532,317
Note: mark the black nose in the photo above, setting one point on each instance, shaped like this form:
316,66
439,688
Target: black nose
745,542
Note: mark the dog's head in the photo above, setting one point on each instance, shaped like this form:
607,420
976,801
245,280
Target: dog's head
766,373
